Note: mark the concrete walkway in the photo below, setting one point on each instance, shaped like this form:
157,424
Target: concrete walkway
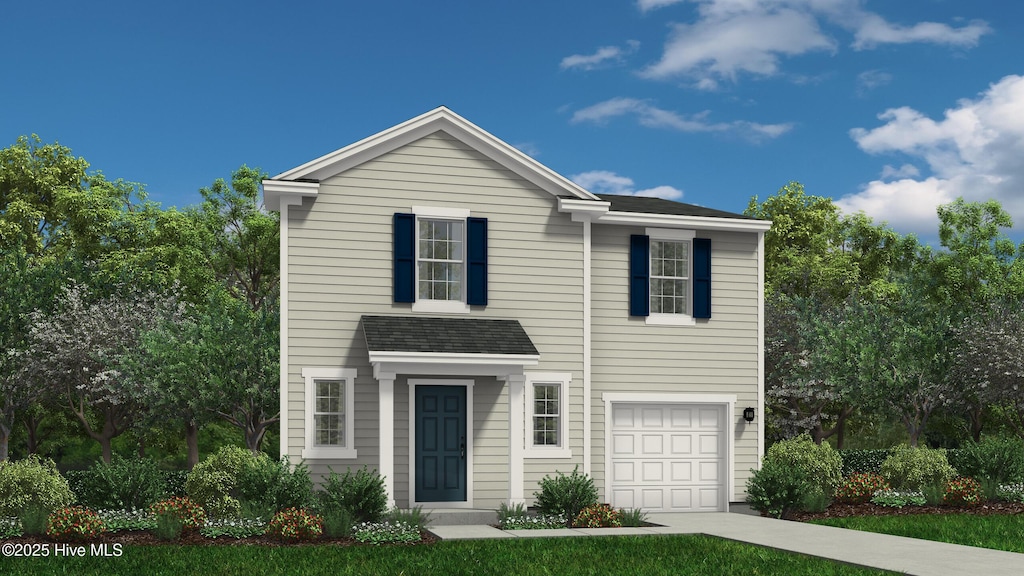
905,555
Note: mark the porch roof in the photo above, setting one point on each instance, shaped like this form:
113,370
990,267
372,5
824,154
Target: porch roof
416,334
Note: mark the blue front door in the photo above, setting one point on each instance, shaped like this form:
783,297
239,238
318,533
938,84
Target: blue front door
440,443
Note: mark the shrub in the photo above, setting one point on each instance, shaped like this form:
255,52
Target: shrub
33,519
859,488
361,493
963,491
898,498
191,514
995,457
862,461
74,523
275,485
414,516
1010,492
909,468
32,481
168,526
820,463
233,528
598,516
10,528
295,525
127,520
566,495
124,484
933,493
386,532
632,517
174,483
338,522
777,489
213,483
512,513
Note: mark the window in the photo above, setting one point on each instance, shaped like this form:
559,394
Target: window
670,276
547,422
440,259
329,413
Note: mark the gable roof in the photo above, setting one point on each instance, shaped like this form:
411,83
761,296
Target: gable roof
303,181
446,336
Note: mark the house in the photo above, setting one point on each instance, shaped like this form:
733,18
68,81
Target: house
467,321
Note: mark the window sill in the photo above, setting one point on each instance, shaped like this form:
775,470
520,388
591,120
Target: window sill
547,453
440,307
671,320
324,453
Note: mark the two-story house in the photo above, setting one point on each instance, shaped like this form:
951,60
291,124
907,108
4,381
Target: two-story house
466,321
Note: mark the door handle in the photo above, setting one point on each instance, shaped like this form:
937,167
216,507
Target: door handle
462,448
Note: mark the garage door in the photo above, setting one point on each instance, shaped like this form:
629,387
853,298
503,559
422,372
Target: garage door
668,457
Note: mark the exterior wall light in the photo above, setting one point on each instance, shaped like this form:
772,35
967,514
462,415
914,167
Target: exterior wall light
748,414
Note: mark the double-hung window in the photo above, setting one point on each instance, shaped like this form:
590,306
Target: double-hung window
669,276
547,419
329,412
440,259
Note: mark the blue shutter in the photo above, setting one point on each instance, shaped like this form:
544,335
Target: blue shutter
404,250
639,275
476,261
701,278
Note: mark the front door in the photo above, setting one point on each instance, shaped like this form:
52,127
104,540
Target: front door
440,443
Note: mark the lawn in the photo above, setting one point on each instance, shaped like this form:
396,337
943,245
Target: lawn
1000,532
648,555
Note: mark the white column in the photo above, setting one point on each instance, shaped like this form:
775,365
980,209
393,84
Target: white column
387,434
516,392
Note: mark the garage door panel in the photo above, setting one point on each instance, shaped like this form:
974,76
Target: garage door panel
669,457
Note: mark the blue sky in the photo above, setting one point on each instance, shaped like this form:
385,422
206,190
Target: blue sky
887,107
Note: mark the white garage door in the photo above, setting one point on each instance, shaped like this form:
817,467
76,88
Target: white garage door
668,457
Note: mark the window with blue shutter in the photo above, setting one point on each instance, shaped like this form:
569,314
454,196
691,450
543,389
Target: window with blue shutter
639,275
404,254
701,278
476,261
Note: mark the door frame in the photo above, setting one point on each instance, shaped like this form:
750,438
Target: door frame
468,384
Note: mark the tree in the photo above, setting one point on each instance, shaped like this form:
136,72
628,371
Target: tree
246,240
76,350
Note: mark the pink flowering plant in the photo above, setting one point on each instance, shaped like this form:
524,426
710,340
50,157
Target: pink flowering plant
295,524
859,488
598,516
74,523
189,513
963,491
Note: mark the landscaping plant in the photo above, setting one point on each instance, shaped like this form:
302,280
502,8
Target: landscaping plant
414,516
860,487
776,489
863,461
566,495
1000,458
597,516
909,468
898,498
32,481
295,524
190,513
73,523
124,484
168,526
963,491
632,517
821,465
33,519
233,475
360,492
270,485
385,532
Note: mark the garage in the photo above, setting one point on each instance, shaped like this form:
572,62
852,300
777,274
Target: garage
669,457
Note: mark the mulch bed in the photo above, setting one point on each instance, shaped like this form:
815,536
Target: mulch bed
145,538
846,510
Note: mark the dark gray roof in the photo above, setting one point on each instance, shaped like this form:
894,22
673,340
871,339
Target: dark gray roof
446,335
662,206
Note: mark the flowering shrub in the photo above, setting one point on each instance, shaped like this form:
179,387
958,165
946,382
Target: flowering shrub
898,498
9,528
1010,492
566,494
963,491
538,522
74,523
233,528
386,532
859,488
126,520
191,515
598,516
295,524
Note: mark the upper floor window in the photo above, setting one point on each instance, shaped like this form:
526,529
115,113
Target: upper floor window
440,259
670,277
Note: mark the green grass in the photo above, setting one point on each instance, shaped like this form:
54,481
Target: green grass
648,555
1000,532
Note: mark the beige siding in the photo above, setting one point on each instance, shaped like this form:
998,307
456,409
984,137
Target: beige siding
717,356
339,268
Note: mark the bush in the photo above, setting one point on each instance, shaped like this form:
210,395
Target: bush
898,498
414,517
274,485
995,457
168,526
566,495
174,483
1010,492
213,483
909,468
777,489
74,523
32,482
820,463
632,517
860,487
386,532
190,513
361,493
963,491
124,484
598,516
863,461
34,519
338,522
294,524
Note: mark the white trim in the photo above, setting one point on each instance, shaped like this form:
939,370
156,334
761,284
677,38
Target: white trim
760,350
670,319
587,343
440,306
516,409
413,383
563,379
428,305
726,400
452,358
311,375
386,426
677,221
441,212
283,336
438,119
277,193
661,318
671,234
583,210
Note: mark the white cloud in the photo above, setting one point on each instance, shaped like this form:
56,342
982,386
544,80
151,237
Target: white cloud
604,55
646,5
651,116
605,182
974,151
732,37
904,171
868,80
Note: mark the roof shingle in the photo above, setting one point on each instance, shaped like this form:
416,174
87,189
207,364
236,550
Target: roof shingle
446,335
647,205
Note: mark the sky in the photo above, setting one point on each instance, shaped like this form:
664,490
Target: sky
888,107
